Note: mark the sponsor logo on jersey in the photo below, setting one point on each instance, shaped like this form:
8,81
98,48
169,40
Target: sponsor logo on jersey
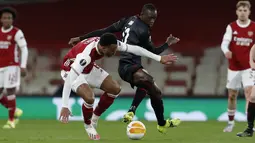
240,41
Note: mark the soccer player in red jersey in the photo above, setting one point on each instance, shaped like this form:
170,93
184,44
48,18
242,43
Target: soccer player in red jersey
81,74
236,45
11,65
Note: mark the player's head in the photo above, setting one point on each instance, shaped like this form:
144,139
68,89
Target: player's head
8,15
243,10
108,44
149,14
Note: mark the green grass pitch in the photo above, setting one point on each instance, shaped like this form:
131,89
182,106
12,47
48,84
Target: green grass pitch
50,131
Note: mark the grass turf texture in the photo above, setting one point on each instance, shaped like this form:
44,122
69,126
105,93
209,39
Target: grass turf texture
50,131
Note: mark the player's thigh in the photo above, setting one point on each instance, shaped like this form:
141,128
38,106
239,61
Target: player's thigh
80,86
252,97
96,77
234,80
11,77
1,79
247,81
110,85
126,72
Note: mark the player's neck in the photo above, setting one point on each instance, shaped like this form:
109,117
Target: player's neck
98,49
243,22
6,29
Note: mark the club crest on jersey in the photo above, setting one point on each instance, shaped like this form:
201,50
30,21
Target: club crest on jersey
250,33
9,37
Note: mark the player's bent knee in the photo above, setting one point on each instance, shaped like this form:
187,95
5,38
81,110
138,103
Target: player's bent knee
116,89
232,97
86,93
1,90
11,91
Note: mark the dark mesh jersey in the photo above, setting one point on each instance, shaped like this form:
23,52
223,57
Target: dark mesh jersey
134,32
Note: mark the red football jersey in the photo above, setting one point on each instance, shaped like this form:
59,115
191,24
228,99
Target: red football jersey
8,48
79,48
242,41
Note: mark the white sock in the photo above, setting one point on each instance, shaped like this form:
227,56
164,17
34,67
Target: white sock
95,118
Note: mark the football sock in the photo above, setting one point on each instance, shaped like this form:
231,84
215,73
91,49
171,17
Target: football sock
11,106
139,95
87,111
251,115
4,100
231,115
157,105
104,103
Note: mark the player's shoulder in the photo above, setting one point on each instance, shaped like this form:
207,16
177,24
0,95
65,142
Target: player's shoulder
90,40
16,29
139,26
253,23
233,23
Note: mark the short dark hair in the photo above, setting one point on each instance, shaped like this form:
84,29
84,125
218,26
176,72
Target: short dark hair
243,3
8,10
108,39
149,6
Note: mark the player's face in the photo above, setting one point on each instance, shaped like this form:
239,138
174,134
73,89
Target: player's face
110,50
243,13
149,17
6,19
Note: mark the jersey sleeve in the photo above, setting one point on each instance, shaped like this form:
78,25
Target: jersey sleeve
137,51
115,27
22,44
20,39
80,62
226,39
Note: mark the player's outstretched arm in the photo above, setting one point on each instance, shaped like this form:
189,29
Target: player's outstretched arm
166,59
252,57
115,27
158,50
77,67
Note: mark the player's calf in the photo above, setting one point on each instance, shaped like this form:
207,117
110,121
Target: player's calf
250,116
87,94
142,79
112,90
232,98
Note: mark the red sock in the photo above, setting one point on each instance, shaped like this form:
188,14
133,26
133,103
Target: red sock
87,111
4,101
231,115
11,106
104,103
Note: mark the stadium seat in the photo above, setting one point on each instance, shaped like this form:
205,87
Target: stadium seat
181,76
64,51
175,90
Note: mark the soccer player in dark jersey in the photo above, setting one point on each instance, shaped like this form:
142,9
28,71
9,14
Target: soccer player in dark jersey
136,31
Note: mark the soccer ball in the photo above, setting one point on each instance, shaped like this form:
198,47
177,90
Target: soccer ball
136,130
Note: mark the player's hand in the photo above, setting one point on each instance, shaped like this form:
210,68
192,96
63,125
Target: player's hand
64,115
228,55
74,41
168,59
23,72
172,40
